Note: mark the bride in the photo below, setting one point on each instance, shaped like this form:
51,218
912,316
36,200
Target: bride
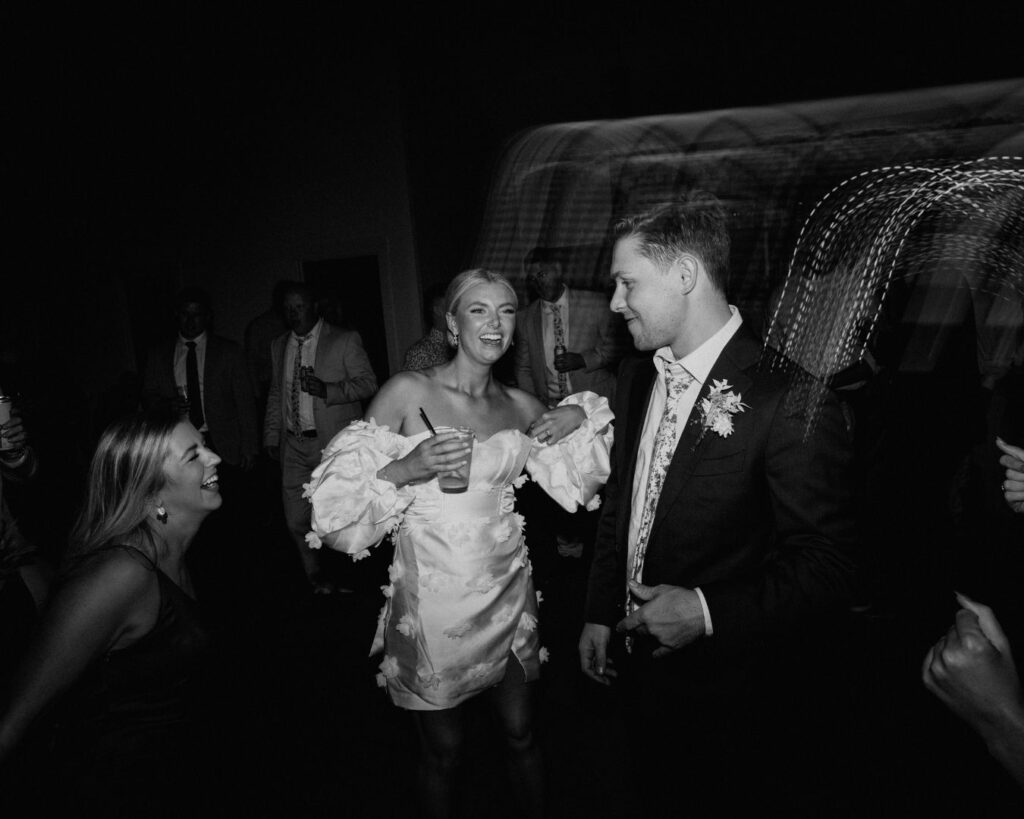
460,613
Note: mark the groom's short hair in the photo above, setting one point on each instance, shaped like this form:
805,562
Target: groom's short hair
694,223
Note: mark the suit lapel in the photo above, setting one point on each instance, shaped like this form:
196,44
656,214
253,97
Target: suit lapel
639,398
322,344
733,365
572,309
209,361
640,389
534,326
277,355
170,385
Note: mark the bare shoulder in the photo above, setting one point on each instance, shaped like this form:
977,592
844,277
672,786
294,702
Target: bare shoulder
528,407
115,595
404,385
114,577
106,601
390,405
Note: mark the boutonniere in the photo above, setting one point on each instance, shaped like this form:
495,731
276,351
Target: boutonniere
717,410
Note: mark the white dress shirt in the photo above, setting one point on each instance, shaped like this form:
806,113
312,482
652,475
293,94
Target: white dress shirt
306,418
698,364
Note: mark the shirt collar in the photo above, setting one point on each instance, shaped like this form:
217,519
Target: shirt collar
313,334
699,362
200,339
561,301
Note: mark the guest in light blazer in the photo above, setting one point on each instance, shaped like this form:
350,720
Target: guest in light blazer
588,330
566,340
321,374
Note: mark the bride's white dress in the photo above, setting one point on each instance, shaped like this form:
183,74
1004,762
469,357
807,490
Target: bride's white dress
460,600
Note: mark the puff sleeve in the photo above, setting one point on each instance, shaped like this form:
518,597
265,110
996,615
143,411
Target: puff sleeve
573,469
353,509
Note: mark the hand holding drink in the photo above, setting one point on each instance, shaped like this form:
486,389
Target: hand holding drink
311,384
445,454
457,480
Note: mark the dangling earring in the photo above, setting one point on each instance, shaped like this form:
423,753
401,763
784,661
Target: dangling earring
453,338
161,514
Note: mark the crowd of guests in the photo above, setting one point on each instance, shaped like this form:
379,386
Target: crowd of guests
720,532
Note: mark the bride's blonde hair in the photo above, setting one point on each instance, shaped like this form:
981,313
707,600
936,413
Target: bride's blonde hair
471,278
466,280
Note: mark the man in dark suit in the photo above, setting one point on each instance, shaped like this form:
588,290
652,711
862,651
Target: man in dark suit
204,377
726,530
219,400
321,374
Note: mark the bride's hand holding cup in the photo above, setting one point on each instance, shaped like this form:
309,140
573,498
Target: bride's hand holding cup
442,453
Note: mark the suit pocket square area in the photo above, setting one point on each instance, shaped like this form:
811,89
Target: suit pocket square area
721,464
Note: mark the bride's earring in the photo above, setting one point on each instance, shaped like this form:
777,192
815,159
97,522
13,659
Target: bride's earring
161,514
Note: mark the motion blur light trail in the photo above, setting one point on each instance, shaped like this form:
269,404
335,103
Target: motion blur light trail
957,227
564,185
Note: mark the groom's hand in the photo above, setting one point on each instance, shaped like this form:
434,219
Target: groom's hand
594,660
1013,486
672,615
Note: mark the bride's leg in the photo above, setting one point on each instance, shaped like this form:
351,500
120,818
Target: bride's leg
441,739
513,700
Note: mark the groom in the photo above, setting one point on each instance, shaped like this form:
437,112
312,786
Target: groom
724,543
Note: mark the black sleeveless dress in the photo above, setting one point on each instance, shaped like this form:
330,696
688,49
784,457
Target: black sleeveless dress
126,738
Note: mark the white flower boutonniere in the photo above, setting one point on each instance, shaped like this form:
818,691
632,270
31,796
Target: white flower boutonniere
717,410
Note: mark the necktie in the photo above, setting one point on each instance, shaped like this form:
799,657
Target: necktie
297,383
556,320
677,380
195,395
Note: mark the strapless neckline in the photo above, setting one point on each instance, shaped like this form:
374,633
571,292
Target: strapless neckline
476,441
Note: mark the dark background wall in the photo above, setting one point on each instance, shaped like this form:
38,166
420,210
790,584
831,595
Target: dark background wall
189,144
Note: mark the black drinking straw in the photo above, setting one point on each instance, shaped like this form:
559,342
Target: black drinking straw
426,421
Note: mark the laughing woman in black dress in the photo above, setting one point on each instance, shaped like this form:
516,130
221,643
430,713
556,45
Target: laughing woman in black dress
121,637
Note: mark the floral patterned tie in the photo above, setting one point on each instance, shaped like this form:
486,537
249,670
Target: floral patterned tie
677,380
556,320
297,383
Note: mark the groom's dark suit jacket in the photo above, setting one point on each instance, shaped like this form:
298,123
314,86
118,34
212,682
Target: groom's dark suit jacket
761,520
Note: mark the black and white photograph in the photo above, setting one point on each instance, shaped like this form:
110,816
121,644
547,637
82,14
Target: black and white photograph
512,410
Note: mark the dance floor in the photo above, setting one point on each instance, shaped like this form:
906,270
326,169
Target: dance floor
295,725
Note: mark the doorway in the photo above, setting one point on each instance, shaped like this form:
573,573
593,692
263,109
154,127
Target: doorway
349,293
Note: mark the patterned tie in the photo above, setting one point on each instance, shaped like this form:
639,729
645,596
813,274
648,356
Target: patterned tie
556,320
195,395
297,383
677,380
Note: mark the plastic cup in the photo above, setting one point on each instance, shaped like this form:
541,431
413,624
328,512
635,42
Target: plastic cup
457,480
